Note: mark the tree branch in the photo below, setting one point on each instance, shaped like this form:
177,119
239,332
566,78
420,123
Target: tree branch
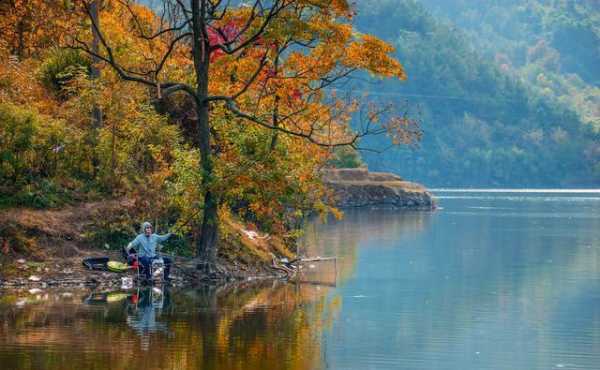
231,106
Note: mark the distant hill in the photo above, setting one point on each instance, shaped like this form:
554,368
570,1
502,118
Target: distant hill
553,45
501,105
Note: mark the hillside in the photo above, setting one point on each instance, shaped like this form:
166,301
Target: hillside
484,124
533,40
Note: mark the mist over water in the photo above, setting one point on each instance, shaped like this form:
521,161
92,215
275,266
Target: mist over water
492,280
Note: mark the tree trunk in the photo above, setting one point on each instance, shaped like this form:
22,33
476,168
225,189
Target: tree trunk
95,75
94,70
20,39
275,117
207,244
206,247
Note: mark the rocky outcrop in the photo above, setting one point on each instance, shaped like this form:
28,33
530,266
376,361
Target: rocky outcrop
357,187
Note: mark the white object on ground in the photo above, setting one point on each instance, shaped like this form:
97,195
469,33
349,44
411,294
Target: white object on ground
126,282
254,235
35,278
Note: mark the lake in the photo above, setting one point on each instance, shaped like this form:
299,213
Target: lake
492,280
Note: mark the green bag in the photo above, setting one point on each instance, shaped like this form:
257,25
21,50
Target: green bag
116,266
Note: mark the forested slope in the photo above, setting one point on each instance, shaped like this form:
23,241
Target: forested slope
490,118
550,44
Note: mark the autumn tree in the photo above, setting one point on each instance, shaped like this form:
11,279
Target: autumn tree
24,25
277,64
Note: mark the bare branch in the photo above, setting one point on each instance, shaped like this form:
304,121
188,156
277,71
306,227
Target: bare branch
160,32
231,106
170,49
247,84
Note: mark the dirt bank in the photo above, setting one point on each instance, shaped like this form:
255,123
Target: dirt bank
40,248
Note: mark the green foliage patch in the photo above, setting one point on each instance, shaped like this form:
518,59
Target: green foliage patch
62,66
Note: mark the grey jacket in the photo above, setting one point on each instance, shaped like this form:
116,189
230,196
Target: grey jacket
146,245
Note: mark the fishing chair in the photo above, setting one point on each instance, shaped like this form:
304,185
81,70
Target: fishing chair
156,266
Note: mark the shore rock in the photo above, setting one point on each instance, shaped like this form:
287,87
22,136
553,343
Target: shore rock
357,187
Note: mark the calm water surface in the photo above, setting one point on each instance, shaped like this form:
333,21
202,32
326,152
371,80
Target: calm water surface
493,280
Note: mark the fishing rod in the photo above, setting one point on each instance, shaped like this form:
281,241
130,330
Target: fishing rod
174,229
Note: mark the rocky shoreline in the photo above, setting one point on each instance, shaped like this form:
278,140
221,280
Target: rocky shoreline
45,248
70,273
359,188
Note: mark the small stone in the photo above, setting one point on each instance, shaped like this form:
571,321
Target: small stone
35,278
35,290
21,261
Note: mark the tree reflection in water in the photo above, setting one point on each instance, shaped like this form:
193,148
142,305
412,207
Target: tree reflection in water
252,326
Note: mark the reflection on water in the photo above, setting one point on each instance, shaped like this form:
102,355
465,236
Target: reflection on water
476,288
265,326
501,282
141,314
343,239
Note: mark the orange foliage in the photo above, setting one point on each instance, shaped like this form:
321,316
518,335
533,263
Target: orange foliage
25,28
266,164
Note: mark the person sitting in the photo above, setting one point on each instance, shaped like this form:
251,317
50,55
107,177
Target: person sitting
146,244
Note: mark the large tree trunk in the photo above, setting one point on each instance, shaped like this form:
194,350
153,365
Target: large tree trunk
94,70
207,243
95,75
206,247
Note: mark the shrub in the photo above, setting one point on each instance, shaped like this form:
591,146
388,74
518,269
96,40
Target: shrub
17,130
62,66
34,151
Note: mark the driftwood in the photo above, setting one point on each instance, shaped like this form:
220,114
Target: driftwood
292,267
315,259
288,269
